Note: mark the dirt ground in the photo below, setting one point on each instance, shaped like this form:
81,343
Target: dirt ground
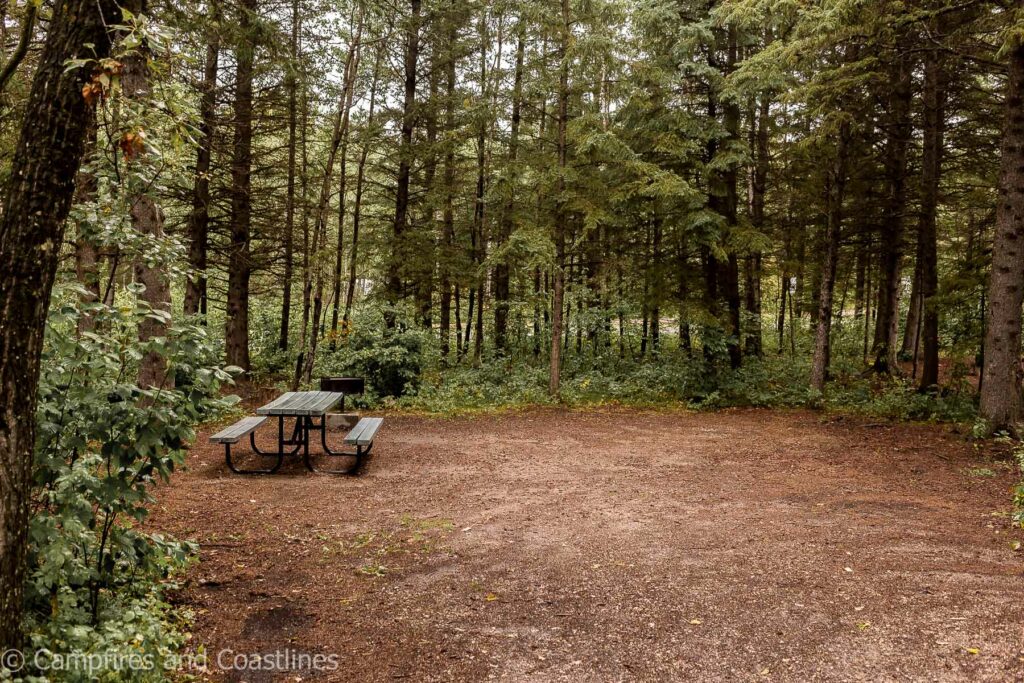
612,545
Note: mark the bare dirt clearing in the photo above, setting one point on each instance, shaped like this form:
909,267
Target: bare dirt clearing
615,545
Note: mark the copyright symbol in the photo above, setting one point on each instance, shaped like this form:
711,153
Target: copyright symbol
12,660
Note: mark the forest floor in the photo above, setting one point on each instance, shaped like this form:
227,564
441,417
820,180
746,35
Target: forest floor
614,544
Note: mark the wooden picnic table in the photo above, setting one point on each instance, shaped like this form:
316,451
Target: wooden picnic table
302,404
304,407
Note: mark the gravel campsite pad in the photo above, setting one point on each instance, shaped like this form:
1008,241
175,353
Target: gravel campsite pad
613,545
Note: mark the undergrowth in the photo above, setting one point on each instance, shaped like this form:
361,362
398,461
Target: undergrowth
403,372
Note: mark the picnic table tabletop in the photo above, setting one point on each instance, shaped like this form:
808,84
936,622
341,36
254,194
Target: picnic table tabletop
301,403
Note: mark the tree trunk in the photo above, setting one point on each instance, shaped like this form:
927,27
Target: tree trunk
458,321
645,296
912,326
289,216
479,207
469,306
148,219
1001,398
357,209
931,174
758,186
731,115
338,147
682,266
658,286
427,242
307,273
199,218
558,286
448,216
236,338
339,140
897,141
833,234
398,252
349,87
501,270
39,194
860,273
780,323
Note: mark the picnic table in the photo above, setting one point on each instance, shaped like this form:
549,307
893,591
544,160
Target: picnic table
309,411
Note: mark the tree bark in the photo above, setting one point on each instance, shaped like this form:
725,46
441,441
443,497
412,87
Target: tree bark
351,77
427,242
1001,398
758,186
39,194
148,219
833,234
236,338
931,174
912,325
199,218
501,270
448,213
897,142
398,252
658,285
357,209
289,215
558,285
731,115
339,141
307,240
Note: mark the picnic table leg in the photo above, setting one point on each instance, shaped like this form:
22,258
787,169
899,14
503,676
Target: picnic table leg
307,423
281,442
231,465
329,451
359,454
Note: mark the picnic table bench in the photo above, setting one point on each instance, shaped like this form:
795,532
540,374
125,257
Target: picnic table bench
304,407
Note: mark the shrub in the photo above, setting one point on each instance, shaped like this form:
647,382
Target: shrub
96,583
390,361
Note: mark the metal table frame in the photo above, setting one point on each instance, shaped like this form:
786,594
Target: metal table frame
304,406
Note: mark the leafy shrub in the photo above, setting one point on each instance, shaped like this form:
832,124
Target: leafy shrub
391,362
96,583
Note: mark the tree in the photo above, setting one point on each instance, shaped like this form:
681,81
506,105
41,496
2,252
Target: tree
897,133
289,225
236,336
927,256
49,151
199,218
357,209
837,179
148,220
561,217
405,151
1001,398
501,270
